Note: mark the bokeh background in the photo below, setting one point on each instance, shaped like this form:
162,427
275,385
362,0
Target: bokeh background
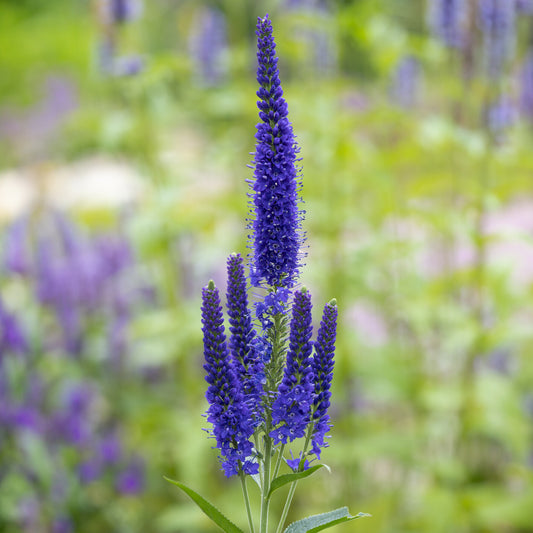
125,132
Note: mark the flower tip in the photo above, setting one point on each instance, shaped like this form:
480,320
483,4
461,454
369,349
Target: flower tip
333,302
211,285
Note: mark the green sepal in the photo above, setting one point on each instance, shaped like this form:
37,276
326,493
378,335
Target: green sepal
209,509
280,481
315,523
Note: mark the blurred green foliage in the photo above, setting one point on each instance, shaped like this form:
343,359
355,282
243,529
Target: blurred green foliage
432,402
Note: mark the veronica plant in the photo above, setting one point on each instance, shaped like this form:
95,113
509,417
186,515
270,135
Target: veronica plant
268,381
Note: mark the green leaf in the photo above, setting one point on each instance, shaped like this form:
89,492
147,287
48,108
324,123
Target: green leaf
210,510
315,523
280,481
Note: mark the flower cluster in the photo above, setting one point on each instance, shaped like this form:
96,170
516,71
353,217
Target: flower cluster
276,220
228,412
292,407
322,368
76,278
526,86
269,384
447,21
497,21
208,43
406,82
79,292
111,14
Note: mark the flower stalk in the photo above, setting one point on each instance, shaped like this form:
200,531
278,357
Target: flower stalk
268,380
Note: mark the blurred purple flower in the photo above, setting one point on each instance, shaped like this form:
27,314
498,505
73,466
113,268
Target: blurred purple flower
406,82
447,20
524,7
31,131
23,417
62,524
499,361
77,399
72,423
130,65
110,448
90,470
114,12
526,86
16,255
11,336
207,45
125,10
131,480
29,512
304,4
497,21
501,116
78,276
71,325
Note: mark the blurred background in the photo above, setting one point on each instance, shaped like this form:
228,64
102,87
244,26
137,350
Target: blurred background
125,132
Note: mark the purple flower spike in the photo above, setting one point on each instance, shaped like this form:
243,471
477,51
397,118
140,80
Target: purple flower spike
207,44
292,407
11,336
524,7
62,524
406,82
16,255
276,220
246,360
120,11
322,367
497,20
447,19
131,480
526,86
124,10
228,412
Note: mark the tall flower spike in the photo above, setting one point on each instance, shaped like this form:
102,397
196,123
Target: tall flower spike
322,367
292,407
406,82
11,336
447,20
526,86
497,20
276,220
227,412
247,364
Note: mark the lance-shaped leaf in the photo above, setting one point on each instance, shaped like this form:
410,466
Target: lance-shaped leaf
280,481
315,523
209,509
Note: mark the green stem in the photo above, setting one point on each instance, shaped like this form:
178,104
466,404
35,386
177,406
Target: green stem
266,481
288,502
278,462
246,500
292,488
